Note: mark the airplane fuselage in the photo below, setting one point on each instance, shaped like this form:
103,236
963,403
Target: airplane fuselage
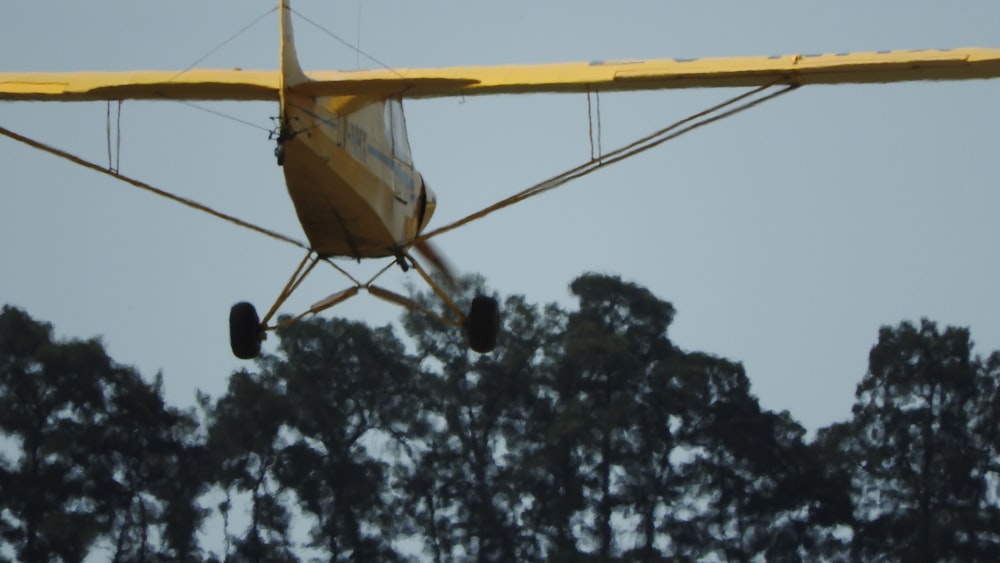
350,176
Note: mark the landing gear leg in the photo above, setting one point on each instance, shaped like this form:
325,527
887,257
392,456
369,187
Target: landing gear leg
481,325
246,330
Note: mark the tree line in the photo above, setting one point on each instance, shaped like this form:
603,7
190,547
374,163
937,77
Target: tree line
587,436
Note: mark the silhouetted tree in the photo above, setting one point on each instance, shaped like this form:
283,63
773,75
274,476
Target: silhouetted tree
606,440
246,443
466,488
152,469
102,459
317,433
919,449
587,435
351,391
748,481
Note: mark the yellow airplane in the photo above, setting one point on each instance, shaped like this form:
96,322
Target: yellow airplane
341,141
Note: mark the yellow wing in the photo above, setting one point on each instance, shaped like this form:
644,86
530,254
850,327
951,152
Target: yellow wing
140,85
891,66
198,84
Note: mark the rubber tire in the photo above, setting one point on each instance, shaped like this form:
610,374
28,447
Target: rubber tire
244,331
482,325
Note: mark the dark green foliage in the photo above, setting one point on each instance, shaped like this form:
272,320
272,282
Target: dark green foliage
245,445
587,435
314,430
99,456
474,415
351,392
921,449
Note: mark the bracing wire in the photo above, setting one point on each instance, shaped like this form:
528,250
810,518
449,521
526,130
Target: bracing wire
600,148
590,125
107,132
357,53
232,37
118,137
346,43
114,155
224,115
211,52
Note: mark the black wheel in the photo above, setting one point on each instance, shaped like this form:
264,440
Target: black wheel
483,324
244,331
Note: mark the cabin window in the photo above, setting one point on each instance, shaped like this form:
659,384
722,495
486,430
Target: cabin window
395,123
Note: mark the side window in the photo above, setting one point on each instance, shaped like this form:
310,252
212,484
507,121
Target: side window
395,123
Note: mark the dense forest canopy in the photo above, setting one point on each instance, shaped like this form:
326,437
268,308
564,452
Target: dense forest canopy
587,435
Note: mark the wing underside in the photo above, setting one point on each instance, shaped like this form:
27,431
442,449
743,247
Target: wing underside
651,74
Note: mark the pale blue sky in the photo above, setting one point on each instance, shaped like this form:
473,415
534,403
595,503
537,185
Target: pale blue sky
784,236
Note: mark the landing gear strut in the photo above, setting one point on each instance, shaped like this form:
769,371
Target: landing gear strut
481,326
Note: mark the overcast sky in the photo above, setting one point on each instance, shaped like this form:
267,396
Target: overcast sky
784,236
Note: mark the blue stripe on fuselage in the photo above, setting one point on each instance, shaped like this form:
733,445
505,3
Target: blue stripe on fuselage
399,172
389,162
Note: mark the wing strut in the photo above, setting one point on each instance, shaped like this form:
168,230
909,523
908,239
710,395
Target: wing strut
143,185
305,267
715,113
